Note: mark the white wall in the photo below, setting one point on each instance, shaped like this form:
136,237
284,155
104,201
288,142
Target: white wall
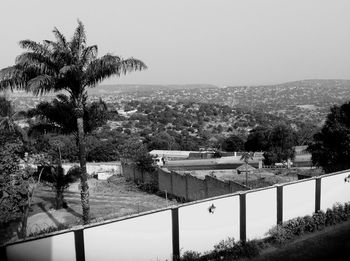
200,230
261,212
334,189
54,248
298,199
147,237
96,167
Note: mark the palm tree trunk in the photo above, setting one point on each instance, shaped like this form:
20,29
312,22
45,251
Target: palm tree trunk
82,159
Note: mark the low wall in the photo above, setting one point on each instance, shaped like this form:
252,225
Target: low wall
192,188
161,234
94,167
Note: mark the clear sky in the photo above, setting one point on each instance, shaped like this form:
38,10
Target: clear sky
222,42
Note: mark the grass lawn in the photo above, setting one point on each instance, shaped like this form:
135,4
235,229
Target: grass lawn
107,200
332,243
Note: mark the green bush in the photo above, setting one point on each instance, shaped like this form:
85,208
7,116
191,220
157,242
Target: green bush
48,230
190,255
226,250
281,234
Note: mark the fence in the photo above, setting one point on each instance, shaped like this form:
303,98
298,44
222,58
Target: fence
185,186
161,234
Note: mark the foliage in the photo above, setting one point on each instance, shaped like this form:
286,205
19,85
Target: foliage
7,118
280,145
58,116
14,181
135,150
281,234
258,139
227,249
48,230
233,143
331,147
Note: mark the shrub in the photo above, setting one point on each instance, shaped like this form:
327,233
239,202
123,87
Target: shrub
278,235
319,218
190,255
48,230
307,224
295,226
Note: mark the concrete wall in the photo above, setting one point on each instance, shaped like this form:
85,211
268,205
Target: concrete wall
299,199
334,189
179,185
164,181
97,167
53,248
200,230
197,187
147,237
261,212
159,234
217,187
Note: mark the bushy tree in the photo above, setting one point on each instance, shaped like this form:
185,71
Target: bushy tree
233,143
14,181
331,146
258,139
280,145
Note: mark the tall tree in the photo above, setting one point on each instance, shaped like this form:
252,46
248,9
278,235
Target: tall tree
233,143
280,145
331,147
71,66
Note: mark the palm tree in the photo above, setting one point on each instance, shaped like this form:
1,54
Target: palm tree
70,66
246,156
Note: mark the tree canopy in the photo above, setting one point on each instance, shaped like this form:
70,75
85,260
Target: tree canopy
331,146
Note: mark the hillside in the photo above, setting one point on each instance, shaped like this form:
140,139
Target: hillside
307,101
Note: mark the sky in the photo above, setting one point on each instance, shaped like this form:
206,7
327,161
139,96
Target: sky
221,42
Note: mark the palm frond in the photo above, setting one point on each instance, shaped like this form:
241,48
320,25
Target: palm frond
61,39
132,64
42,63
34,46
41,84
12,77
89,53
109,65
77,44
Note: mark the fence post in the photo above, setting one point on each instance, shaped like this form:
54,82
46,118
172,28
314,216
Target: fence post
171,183
279,204
242,217
318,194
186,181
79,245
206,187
175,233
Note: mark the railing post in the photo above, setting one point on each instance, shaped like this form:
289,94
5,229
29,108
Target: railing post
279,204
242,217
318,194
175,232
79,245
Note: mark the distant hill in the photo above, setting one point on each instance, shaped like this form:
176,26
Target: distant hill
122,88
